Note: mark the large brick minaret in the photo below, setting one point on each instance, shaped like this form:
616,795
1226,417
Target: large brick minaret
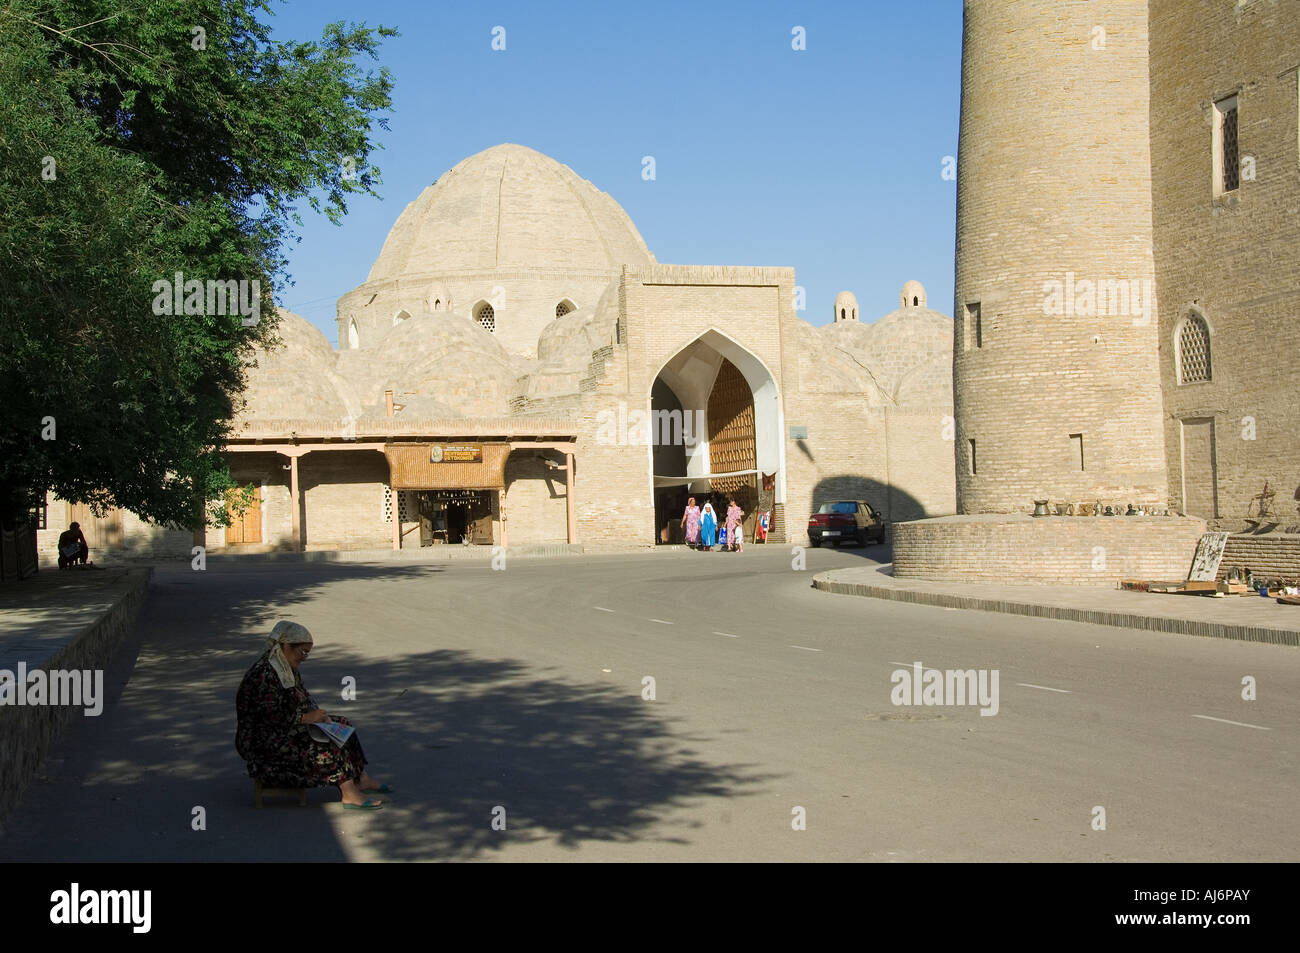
1055,364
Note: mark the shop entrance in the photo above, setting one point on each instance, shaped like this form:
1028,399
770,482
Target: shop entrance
732,451
455,516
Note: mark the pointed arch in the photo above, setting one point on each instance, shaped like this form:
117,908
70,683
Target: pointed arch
690,373
485,315
1193,353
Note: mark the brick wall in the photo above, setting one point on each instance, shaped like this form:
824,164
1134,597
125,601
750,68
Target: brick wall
1272,557
343,500
140,539
1064,550
1233,258
1053,180
535,498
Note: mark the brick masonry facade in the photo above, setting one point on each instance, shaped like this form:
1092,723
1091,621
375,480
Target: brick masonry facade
1063,550
1231,258
1054,185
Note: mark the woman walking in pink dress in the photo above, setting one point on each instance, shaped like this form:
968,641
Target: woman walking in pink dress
735,541
691,520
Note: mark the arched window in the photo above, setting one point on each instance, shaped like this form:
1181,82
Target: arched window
564,307
916,300
437,304
400,317
486,317
1194,350
841,314
354,338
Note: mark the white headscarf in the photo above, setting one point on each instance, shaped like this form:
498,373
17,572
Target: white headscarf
708,508
285,633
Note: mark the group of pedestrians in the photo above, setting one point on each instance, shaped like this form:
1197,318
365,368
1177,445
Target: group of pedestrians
702,527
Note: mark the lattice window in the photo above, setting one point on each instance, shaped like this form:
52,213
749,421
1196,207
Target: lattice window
487,318
1231,162
1227,158
563,308
1194,351
388,503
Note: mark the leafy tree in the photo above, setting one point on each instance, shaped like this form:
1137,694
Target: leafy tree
138,140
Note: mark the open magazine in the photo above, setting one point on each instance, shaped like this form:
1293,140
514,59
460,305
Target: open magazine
331,731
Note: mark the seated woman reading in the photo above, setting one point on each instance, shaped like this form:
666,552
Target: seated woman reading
274,735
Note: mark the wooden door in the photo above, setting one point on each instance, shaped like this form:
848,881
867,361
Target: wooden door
245,527
102,533
1200,469
480,520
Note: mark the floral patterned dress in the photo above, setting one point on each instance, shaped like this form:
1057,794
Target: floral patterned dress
734,515
692,524
279,750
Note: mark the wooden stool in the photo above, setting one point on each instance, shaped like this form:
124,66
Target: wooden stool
260,790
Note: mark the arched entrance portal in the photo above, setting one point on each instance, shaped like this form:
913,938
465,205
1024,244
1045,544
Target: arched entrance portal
716,429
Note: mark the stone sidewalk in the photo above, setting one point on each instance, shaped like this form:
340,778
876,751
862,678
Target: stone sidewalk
1244,618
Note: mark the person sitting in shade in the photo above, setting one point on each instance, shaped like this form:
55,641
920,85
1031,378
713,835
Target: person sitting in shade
73,547
273,733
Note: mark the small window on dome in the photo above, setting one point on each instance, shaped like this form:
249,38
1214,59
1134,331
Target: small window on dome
354,338
564,307
400,317
915,300
486,317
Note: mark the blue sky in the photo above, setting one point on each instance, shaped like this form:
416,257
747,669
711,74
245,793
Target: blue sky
827,160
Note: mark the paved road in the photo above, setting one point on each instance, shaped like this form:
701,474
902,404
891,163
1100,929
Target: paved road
523,690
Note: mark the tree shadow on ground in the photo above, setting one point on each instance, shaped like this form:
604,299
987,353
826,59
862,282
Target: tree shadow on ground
458,735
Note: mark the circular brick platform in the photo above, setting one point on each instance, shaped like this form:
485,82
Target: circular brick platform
1062,550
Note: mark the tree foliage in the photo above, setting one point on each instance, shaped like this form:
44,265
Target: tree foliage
139,140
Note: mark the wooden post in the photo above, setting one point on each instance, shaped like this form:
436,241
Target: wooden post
294,503
397,515
501,514
570,507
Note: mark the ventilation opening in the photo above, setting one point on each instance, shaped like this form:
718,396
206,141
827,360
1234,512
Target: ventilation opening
486,317
1194,351
565,307
974,336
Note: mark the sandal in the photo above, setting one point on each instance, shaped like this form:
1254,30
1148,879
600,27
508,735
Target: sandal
367,806
382,789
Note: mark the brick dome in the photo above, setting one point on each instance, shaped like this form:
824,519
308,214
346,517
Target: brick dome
510,208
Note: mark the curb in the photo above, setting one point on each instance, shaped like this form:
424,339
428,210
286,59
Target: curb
454,553
1127,620
27,733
